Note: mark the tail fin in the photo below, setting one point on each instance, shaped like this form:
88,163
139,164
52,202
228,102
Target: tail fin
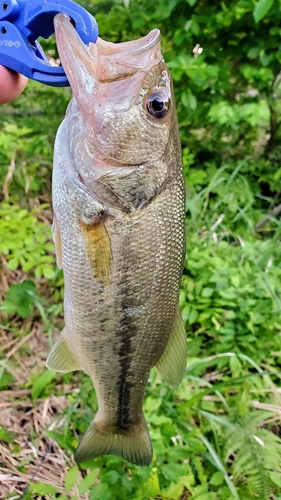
132,444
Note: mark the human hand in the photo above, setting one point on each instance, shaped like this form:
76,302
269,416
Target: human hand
11,84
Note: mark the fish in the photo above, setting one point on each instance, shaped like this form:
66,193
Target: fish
119,232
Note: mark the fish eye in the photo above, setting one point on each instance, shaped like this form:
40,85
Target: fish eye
157,105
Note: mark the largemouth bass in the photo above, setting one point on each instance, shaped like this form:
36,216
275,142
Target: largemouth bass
118,197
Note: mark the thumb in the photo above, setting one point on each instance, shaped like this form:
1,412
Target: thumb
11,84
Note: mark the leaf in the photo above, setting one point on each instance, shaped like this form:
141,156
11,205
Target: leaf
48,271
173,472
261,9
152,486
217,478
6,435
63,440
235,366
207,291
220,466
100,491
41,382
207,496
6,378
43,488
217,419
13,264
20,298
174,490
71,477
87,482
275,478
112,476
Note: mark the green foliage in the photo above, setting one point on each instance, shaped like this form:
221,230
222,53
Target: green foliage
215,437
6,436
41,382
21,144
256,454
20,299
25,241
261,9
43,488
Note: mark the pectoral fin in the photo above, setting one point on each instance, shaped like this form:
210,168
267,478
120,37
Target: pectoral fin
57,241
61,357
171,365
98,246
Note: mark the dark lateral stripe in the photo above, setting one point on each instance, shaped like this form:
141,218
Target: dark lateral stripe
125,387
125,333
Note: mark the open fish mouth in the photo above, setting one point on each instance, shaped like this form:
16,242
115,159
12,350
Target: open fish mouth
118,61
107,61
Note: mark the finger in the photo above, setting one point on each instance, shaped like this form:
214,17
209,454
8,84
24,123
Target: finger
11,84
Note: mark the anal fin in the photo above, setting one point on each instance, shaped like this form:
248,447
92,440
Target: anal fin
61,357
172,363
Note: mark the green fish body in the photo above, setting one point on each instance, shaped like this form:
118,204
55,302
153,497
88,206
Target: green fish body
118,197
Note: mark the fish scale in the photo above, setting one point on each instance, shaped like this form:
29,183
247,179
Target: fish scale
119,234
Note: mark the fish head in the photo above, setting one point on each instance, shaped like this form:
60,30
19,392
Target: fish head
123,95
